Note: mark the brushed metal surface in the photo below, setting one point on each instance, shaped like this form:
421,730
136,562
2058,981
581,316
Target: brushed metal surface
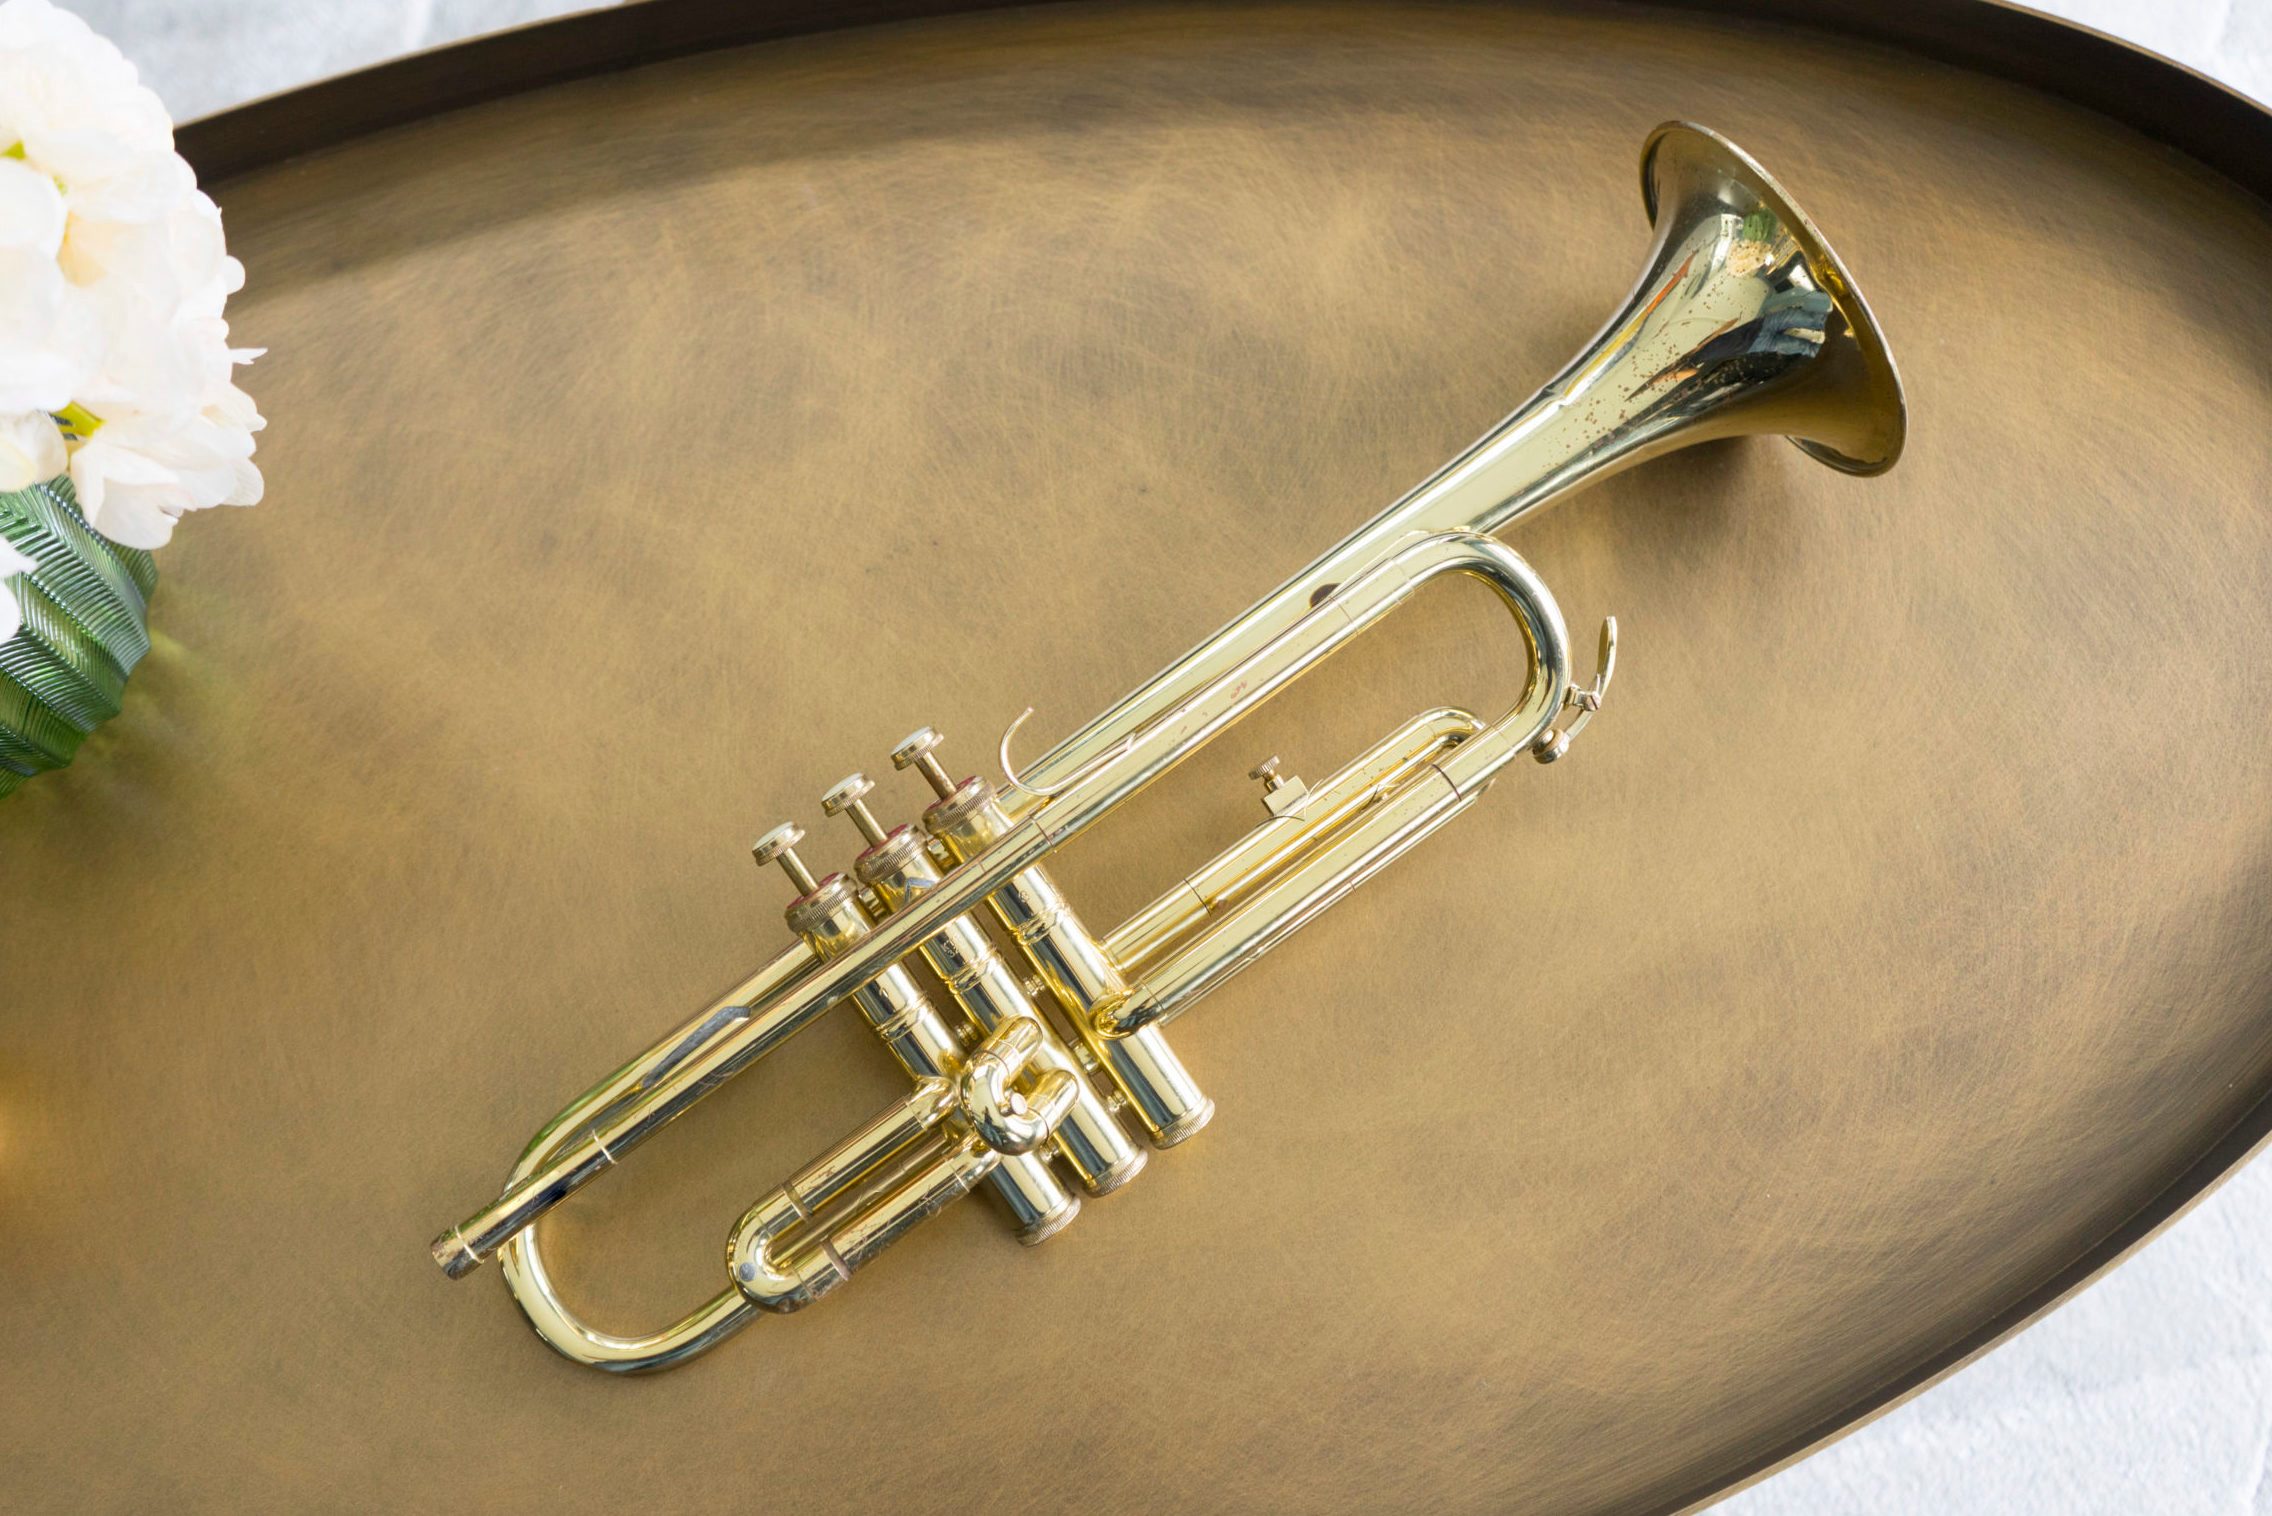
647,450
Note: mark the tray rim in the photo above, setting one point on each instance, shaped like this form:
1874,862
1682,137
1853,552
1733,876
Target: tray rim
2163,100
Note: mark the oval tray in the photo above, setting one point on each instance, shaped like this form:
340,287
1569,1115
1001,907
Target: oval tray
649,447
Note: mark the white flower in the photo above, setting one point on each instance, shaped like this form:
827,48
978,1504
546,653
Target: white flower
140,471
31,209
11,564
113,278
31,449
50,331
80,111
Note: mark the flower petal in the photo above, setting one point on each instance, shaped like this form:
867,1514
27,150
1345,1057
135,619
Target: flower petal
31,451
31,210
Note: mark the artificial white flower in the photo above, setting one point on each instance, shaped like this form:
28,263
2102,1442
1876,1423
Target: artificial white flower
139,472
31,209
31,449
51,334
11,564
80,111
113,278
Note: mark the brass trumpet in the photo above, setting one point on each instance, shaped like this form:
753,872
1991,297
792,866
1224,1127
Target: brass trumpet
1743,321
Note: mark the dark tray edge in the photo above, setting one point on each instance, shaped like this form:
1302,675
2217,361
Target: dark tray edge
2155,96
2163,99
2248,1137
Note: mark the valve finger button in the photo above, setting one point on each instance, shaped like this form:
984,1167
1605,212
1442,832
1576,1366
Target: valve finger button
780,846
917,751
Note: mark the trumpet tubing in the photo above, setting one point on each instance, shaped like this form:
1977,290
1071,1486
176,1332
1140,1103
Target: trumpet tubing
831,918
1743,321
1073,966
898,868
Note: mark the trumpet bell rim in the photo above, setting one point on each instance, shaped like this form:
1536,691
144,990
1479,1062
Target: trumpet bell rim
1864,434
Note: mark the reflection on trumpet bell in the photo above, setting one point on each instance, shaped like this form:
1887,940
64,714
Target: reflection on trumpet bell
1743,321
1777,338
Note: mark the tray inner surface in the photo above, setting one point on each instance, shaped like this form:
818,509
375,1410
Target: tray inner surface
647,451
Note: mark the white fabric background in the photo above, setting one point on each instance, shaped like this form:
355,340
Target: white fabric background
2150,1393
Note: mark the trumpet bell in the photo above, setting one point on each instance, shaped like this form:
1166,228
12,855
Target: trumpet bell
1743,323
1838,396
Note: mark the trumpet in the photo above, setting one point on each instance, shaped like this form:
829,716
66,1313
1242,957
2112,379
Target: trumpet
1035,1047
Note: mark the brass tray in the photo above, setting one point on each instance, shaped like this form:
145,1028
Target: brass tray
671,425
